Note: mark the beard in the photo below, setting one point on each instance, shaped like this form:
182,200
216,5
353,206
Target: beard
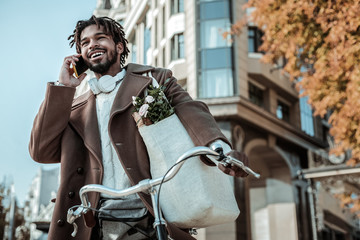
104,67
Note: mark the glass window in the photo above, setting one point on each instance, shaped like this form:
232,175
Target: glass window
215,83
214,52
306,117
256,95
181,46
147,42
177,6
133,50
181,5
177,47
163,22
213,10
210,33
216,58
156,32
164,57
254,39
156,61
283,111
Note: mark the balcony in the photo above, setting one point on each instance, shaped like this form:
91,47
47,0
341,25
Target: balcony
271,76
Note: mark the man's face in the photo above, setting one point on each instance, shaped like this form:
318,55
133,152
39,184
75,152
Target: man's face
99,50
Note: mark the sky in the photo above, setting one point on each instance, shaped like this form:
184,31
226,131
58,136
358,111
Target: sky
33,43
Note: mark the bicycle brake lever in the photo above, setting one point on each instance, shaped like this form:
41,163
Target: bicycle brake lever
73,234
73,215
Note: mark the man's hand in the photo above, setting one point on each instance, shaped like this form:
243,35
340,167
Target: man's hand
66,73
236,171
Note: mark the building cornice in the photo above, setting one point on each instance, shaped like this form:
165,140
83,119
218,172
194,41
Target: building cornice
240,108
134,15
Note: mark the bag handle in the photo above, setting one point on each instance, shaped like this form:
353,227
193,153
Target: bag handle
154,83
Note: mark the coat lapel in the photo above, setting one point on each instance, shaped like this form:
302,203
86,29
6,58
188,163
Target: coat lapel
83,116
133,85
84,119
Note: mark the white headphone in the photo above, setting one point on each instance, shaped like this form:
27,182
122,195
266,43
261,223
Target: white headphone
106,83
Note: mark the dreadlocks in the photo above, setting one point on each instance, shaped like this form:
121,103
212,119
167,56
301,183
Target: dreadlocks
111,28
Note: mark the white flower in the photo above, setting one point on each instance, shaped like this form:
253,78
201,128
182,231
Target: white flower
149,99
143,111
134,100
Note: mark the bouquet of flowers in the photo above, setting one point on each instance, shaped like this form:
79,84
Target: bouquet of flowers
153,107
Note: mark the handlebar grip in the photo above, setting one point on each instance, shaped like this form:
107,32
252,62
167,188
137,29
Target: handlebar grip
231,160
251,172
89,219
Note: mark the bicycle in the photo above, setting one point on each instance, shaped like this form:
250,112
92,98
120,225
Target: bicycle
214,153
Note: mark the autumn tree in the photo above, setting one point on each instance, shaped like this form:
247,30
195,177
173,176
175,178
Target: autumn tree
321,41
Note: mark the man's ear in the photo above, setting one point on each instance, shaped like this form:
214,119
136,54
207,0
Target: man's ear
120,48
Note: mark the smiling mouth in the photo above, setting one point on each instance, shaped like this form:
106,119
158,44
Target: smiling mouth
96,55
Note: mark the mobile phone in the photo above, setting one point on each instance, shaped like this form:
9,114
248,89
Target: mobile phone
80,67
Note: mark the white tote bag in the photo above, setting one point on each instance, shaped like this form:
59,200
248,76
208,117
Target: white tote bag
199,195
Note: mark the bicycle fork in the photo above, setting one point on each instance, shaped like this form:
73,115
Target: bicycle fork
159,223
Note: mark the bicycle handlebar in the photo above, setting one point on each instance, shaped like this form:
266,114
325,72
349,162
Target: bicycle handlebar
214,155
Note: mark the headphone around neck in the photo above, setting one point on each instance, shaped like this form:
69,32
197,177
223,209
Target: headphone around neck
106,83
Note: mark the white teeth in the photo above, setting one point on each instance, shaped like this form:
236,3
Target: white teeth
96,54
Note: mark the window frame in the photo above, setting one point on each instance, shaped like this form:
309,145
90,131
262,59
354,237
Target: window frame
256,39
203,46
285,111
176,6
176,43
253,91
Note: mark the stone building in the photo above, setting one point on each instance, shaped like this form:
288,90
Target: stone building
38,206
258,109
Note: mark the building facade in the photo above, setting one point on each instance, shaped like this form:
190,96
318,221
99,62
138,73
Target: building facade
257,107
38,206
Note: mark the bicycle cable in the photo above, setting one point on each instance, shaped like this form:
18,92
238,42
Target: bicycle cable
110,215
163,179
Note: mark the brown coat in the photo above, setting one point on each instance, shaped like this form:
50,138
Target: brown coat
66,131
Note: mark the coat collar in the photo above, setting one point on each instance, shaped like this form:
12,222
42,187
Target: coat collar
84,117
138,68
134,84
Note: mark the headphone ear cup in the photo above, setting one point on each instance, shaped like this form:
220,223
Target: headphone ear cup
106,83
93,84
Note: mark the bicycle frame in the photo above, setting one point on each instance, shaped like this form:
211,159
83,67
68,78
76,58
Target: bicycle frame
148,186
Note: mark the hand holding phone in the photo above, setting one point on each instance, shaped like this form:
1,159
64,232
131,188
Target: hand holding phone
71,71
80,67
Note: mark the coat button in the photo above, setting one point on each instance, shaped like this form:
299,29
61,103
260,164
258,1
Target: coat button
80,170
60,222
71,194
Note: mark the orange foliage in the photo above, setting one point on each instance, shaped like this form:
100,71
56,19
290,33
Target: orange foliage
350,201
321,41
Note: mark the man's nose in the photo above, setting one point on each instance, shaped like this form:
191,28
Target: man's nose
93,44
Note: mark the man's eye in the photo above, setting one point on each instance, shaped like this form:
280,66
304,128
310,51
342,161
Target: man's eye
84,44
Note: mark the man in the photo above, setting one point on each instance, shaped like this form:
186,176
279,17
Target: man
95,137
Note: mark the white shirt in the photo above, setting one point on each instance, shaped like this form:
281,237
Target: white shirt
114,173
